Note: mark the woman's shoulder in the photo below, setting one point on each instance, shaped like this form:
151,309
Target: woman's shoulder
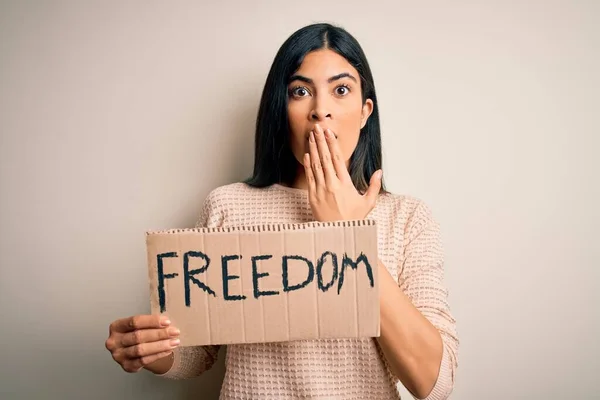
404,202
226,200
408,208
228,190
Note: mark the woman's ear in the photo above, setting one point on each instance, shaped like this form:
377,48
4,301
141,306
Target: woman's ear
367,109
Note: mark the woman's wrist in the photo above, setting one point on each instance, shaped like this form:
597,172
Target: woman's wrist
162,365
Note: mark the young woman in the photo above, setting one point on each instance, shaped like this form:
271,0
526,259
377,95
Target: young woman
318,157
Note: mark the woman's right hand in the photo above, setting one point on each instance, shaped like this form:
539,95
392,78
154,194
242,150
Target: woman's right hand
138,341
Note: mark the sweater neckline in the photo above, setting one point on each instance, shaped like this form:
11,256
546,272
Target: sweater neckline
290,189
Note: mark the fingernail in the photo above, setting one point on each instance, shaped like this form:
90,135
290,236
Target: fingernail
379,174
174,342
327,133
312,136
165,321
173,331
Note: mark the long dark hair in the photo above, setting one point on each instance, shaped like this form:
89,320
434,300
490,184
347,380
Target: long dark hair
274,161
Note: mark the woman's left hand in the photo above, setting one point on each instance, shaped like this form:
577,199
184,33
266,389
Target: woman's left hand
331,193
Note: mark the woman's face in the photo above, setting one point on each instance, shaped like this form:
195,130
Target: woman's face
326,91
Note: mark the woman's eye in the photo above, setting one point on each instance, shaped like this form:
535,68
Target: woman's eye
342,90
299,92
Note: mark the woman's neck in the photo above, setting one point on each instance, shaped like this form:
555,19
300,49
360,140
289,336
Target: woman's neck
300,180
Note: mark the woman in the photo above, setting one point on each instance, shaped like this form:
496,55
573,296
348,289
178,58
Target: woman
318,157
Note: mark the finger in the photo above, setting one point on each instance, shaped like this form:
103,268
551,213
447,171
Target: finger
148,335
132,365
339,164
154,357
137,364
147,349
139,322
324,156
315,162
374,187
310,178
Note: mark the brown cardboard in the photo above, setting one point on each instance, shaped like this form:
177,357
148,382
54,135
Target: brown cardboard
318,310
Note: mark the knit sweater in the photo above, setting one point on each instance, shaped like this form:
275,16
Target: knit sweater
409,246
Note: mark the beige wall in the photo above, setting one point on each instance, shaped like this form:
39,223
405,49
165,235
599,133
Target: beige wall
120,116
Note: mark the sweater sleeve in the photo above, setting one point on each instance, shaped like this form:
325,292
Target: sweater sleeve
189,362
422,279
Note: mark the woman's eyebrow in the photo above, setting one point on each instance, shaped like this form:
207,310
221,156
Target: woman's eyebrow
333,78
340,76
300,78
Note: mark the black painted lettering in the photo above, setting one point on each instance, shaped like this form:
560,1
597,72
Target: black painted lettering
347,261
161,278
285,270
188,276
334,276
256,276
227,278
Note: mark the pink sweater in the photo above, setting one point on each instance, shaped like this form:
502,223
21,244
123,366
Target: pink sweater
409,246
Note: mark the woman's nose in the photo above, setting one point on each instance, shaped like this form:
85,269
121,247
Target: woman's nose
319,116
320,110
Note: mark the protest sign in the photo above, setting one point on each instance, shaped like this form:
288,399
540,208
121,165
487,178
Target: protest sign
266,283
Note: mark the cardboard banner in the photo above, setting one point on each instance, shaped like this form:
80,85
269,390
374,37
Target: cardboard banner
267,283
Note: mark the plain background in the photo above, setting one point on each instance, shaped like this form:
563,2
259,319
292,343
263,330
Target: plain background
120,116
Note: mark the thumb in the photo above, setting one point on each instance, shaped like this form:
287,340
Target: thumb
374,186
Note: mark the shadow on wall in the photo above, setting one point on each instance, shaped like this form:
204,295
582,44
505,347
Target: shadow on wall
232,158
227,157
241,144
238,149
